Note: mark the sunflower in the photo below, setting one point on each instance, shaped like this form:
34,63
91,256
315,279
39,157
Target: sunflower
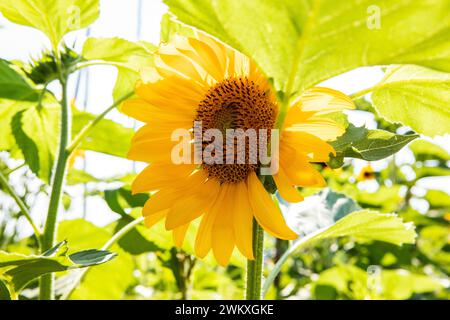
366,173
201,79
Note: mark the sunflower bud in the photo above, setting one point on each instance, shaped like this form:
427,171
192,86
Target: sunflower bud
45,69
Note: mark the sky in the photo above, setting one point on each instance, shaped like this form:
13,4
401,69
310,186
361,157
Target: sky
133,20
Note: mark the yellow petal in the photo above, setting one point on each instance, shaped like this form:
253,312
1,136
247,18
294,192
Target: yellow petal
324,100
243,220
203,240
322,128
223,234
159,175
150,221
179,235
316,149
286,188
198,200
266,211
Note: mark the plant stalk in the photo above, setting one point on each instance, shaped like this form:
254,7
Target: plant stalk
49,237
255,267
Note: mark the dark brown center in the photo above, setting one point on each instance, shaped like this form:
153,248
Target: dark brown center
235,103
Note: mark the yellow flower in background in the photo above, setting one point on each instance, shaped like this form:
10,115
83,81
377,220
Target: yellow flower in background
201,79
366,173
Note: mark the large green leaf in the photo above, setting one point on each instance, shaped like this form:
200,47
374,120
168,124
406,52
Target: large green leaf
17,270
107,137
129,58
13,85
417,97
300,43
370,145
55,18
339,220
35,131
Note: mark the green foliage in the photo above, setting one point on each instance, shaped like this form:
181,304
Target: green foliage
420,97
108,281
13,85
36,133
107,137
370,145
129,58
424,150
18,270
293,40
170,27
45,69
54,18
350,282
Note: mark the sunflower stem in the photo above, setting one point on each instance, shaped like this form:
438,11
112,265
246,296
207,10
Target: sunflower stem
255,267
46,286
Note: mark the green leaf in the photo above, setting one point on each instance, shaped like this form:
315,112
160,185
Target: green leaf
13,85
54,18
293,40
8,108
104,136
370,145
170,27
424,150
118,199
129,58
17,270
36,133
107,281
362,225
417,97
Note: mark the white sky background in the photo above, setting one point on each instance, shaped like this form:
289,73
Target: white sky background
118,18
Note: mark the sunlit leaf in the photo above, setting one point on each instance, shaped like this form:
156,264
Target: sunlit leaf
170,27
417,97
54,18
107,137
35,131
307,41
129,58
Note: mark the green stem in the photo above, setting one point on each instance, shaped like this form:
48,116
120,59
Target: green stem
255,267
89,127
21,204
50,230
116,237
